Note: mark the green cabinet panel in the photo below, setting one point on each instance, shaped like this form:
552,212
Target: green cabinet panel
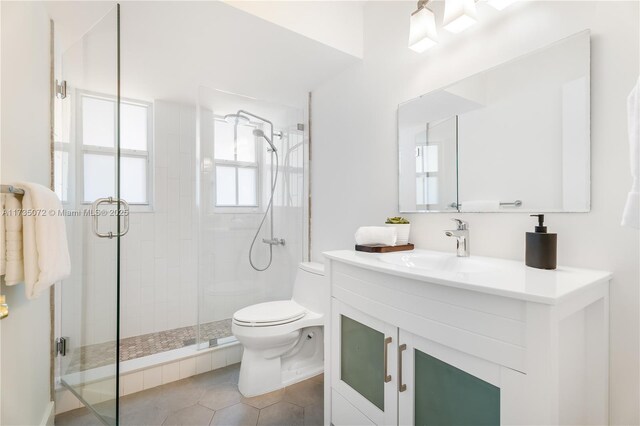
445,395
362,359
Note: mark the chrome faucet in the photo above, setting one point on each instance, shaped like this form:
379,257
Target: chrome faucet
461,234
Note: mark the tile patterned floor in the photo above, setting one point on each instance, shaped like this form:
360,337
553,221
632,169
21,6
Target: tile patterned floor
93,356
213,399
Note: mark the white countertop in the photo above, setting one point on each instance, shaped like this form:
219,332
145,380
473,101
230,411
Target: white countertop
508,278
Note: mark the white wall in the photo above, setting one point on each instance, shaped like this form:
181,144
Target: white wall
25,344
354,171
335,23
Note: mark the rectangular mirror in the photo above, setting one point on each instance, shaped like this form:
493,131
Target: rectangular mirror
514,138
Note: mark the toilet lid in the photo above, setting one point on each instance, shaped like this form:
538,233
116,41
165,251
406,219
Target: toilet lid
270,312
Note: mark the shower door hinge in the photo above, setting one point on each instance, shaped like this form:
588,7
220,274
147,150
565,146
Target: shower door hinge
61,346
61,89
300,127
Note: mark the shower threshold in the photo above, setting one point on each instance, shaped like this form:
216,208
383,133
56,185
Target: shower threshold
212,334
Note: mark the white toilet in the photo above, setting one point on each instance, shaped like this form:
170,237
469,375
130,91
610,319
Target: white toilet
283,340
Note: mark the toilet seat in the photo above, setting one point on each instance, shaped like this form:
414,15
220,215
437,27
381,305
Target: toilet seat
269,314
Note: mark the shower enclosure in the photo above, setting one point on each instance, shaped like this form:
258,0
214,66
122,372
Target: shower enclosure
163,281
247,254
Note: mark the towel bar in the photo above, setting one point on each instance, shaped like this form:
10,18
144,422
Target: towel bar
10,189
516,203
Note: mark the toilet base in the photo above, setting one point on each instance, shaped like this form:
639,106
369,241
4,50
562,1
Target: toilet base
260,374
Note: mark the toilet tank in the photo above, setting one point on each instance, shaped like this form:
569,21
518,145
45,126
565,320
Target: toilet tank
309,289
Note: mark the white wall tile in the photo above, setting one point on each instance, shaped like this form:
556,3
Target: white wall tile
234,354
203,363
218,358
187,367
132,382
152,377
170,372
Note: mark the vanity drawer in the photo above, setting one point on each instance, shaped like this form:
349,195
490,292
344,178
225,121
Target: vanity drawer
486,326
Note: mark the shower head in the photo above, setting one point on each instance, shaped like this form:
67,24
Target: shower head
236,119
259,133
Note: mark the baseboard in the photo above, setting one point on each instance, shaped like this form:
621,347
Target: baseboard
49,415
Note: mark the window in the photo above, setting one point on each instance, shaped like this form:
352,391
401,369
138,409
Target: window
427,159
97,129
236,163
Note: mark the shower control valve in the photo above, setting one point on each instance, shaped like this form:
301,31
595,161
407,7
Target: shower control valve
274,241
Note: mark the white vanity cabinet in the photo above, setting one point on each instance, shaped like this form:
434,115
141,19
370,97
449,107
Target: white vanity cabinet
410,346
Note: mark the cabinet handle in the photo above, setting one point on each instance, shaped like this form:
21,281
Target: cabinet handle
387,376
401,386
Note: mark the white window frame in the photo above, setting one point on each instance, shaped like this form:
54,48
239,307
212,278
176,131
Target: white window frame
425,175
92,149
257,165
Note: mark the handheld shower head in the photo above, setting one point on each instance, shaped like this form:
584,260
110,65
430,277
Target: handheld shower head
259,133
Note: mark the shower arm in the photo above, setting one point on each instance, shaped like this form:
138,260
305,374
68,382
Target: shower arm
250,114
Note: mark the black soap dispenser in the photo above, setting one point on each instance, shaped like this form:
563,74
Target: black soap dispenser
542,247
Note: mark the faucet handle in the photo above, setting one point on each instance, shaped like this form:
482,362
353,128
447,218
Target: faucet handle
461,225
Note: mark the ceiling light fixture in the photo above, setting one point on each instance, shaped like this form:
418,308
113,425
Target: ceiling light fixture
422,28
459,15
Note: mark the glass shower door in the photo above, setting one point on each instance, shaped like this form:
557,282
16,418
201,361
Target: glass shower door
86,163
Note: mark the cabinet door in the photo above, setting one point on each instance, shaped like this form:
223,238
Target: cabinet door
363,360
444,387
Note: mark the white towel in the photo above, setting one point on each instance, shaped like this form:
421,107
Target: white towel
480,206
14,268
46,253
3,238
383,235
631,214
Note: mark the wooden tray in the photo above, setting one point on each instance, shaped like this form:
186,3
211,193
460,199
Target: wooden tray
375,248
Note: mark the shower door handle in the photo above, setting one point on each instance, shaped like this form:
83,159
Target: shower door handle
96,216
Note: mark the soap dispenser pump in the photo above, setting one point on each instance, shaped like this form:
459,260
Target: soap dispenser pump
541,247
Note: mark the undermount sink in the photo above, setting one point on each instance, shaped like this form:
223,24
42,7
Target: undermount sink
436,262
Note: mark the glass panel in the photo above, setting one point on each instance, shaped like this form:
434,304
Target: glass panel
226,280
362,360
225,186
133,179
88,311
246,147
98,122
223,142
133,127
61,175
99,180
247,187
445,395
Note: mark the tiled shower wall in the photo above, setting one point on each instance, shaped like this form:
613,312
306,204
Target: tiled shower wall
228,282
160,254
158,273
159,281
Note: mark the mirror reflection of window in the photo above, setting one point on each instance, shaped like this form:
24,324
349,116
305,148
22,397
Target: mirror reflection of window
434,146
